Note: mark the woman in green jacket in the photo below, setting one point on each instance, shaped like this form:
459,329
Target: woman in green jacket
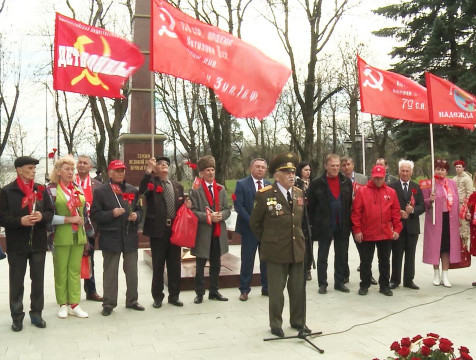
69,236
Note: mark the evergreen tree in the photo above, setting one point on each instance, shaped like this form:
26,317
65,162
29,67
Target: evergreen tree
438,36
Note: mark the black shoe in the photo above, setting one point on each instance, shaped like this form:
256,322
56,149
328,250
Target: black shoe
217,296
308,275
341,287
322,289
373,281
363,291
412,286
157,304
2,255
304,329
394,285
473,284
136,306
265,292
106,311
386,291
176,302
198,299
278,332
17,325
358,269
38,322
346,280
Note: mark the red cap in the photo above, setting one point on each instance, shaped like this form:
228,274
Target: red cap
378,171
116,164
459,162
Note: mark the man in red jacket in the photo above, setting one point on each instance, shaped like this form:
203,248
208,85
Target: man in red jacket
376,222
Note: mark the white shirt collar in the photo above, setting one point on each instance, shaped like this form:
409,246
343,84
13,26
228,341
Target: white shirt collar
284,191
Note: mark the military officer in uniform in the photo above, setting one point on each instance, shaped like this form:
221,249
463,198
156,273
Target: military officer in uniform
276,222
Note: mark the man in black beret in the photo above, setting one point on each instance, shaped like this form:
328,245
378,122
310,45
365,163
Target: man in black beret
25,209
164,197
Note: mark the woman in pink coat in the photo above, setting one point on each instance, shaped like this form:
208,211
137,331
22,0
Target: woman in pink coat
441,241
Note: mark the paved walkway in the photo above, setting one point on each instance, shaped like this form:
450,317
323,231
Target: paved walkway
354,327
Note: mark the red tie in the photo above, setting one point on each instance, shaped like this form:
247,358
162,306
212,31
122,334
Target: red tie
259,184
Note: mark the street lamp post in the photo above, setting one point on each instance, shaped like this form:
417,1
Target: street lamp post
357,150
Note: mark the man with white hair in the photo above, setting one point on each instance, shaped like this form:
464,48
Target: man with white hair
412,206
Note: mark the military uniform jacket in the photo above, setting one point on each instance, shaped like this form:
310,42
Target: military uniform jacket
277,226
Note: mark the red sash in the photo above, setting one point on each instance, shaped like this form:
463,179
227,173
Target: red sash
74,202
216,189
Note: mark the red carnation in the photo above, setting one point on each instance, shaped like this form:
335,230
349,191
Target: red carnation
193,166
433,335
416,338
39,196
416,358
406,342
150,186
414,191
233,197
429,342
159,189
71,186
395,346
465,356
464,349
425,350
40,188
404,351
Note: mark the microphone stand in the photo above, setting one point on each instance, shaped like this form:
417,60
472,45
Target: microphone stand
302,333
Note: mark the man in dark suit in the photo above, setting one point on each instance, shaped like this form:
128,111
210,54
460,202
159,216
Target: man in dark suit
117,213
25,209
163,198
412,206
276,221
83,179
243,201
330,201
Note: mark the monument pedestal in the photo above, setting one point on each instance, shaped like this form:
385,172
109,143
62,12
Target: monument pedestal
229,274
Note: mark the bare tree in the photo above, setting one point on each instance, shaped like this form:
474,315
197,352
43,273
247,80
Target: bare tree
308,92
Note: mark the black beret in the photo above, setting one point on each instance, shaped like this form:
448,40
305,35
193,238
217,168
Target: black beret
160,158
25,160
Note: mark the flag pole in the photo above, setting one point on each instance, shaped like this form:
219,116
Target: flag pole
152,111
432,149
363,144
46,129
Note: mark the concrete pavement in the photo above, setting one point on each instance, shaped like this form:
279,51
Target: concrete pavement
354,327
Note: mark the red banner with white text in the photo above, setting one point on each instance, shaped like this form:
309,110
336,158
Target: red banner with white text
449,104
90,60
392,95
247,82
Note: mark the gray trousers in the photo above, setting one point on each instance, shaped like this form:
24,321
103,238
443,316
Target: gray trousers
110,282
278,276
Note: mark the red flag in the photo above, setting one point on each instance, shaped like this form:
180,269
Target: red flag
247,82
449,104
392,95
90,60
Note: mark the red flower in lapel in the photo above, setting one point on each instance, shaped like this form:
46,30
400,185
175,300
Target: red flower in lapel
159,189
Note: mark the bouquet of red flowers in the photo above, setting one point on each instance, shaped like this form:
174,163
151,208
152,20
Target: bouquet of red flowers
431,347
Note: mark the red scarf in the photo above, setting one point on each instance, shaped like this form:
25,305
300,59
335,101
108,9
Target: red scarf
447,191
87,188
216,189
27,190
74,202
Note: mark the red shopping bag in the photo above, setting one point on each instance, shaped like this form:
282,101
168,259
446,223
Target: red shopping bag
86,267
184,228
465,259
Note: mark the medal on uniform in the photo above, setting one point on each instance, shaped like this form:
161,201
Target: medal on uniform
279,207
300,201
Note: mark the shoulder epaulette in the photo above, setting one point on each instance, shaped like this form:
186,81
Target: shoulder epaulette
265,188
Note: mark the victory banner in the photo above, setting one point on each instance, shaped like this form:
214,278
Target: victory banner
90,60
247,82
449,103
392,95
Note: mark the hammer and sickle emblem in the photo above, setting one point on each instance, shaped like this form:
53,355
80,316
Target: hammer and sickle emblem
92,77
374,84
169,26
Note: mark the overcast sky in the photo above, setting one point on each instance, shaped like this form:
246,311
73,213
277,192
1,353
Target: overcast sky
24,29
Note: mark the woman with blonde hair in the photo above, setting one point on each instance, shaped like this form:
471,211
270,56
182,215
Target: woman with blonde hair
68,236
